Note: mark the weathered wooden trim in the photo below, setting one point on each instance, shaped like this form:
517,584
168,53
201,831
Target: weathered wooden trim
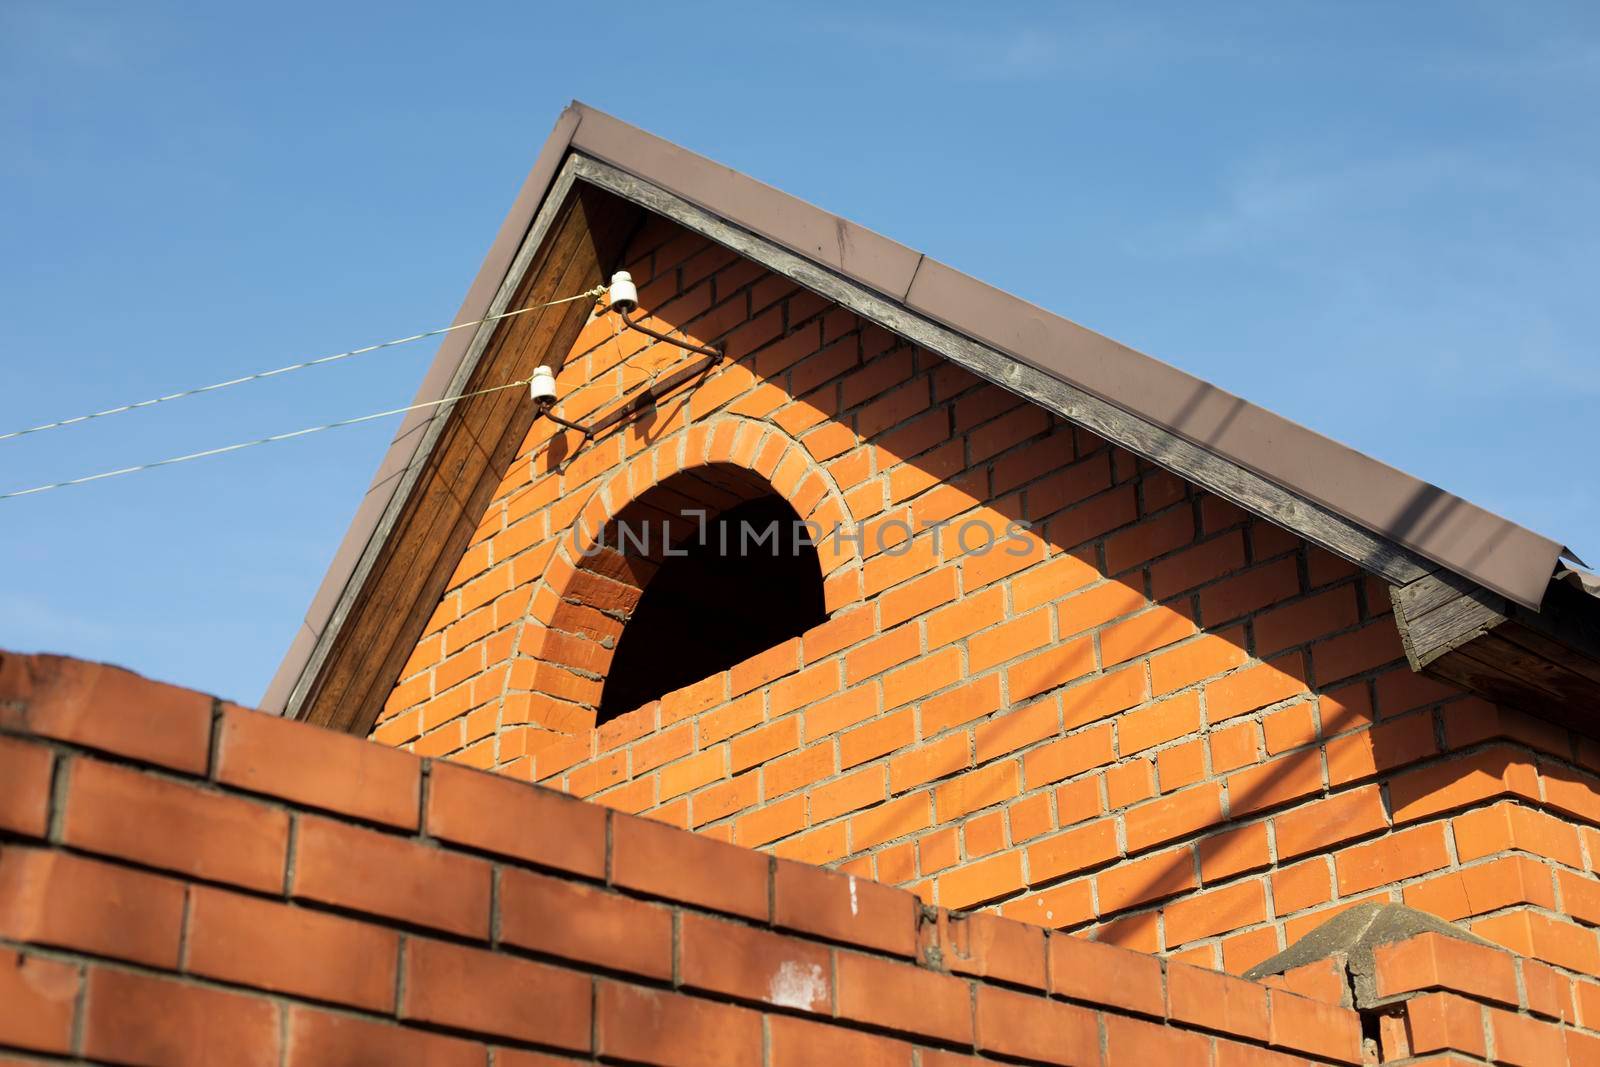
1441,612
1229,480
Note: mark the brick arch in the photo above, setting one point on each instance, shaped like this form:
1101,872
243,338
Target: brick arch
581,602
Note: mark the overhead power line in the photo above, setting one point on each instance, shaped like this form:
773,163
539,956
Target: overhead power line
262,440
591,294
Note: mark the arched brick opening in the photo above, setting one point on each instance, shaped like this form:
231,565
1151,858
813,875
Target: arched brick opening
590,589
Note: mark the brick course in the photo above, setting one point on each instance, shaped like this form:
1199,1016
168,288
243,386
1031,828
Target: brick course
680,949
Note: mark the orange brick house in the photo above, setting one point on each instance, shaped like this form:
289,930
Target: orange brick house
1080,655
1238,679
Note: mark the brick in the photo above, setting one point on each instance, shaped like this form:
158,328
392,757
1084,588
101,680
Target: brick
1134,1041
764,667
557,917
1130,782
1302,886
1100,974
879,654
1439,787
994,784
917,597
661,861
1070,756
1382,748
134,1018
1158,723
798,1043
877,738
659,1026
1485,887
1066,905
1250,591
967,616
1252,688
1217,911
1030,817
1289,728
1233,1054
318,1038
971,701
1531,933
1097,606
1103,696
901,997
1008,641
788,773
1549,992
392,877
1317,826
766,743
750,964
1054,579
1207,656
318,768
830,716
690,774
1035,1028
1143,633
38,998
248,941
852,792
1235,851
844,908
1194,566
119,811
983,945
1078,849
1287,778
1171,817
1057,665
1141,881
1390,859
105,708
1432,961
1300,622
1323,980
1508,825
1525,1042
488,993
25,803
1363,650
771,822
55,898
930,760
982,881
1237,746
1313,1027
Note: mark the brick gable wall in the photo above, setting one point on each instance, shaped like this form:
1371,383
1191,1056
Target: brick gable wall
1168,725
186,882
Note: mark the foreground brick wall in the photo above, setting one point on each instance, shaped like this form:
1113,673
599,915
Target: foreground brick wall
1169,725
185,882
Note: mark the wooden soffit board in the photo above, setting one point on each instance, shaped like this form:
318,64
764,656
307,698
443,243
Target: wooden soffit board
464,452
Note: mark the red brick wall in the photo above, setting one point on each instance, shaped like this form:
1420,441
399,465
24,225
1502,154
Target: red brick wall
185,882
1169,726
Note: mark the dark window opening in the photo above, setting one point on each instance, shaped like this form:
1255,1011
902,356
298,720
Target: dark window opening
707,610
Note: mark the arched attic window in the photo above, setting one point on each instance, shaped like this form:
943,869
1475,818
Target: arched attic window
747,579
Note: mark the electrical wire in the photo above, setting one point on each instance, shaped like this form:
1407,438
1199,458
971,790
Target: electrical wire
594,293
262,440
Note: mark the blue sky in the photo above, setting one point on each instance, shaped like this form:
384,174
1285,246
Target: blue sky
1380,220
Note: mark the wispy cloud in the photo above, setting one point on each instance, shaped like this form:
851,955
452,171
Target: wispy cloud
1087,45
